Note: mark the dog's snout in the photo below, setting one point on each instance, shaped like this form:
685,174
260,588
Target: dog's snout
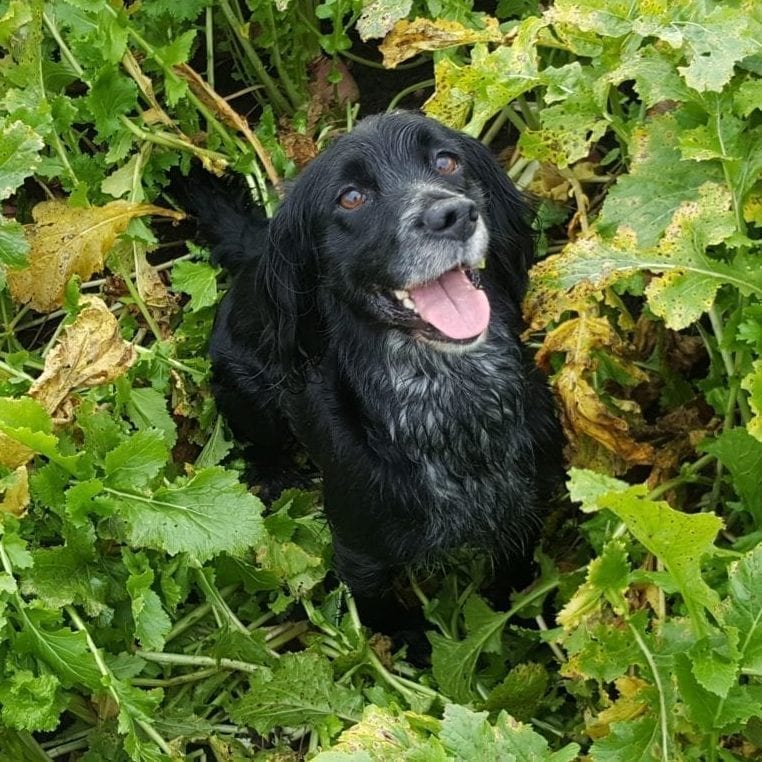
451,218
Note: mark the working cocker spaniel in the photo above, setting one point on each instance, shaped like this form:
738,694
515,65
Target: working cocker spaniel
375,319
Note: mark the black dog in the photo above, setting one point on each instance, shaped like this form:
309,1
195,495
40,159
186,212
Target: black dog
364,321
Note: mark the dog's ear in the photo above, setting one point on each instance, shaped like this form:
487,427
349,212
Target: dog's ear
510,215
286,289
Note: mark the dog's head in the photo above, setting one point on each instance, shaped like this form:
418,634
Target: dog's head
395,221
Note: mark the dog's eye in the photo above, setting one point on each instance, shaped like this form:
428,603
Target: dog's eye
351,199
445,163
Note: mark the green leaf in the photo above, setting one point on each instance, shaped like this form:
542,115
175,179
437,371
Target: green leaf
490,81
13,244
31,703
659,181
137,460
752,383
379,16
147,409
64,651
111,96
70,574
741,454
468,735
454,661
20,147
520,692
715,44
199,279
151,620
743,608
690,278
210,514
680,540
299,690
633,740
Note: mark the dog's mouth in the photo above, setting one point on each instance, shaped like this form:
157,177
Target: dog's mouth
452,308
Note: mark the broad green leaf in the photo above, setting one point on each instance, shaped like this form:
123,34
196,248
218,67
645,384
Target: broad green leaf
634,741
468,735
659,181
467,97
680,540
714,45
709,711
741,454
147,409
385,734
64,651
520,692
13,244
137,460
689,277
453,662
743,608
199,279
70,574
210,514
300,689
31,703
111,96
379,16
20,146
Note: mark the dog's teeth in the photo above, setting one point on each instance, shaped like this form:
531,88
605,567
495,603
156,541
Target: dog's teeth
408,303
401,294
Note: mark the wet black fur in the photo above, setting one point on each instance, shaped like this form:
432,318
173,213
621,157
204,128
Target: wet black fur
421,451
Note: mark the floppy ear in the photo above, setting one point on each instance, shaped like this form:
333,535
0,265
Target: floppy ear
509,214
286,287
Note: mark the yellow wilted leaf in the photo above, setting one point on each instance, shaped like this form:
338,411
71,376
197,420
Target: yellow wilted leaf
66,241
630,705
12,453
583,413
89,352
16,497
409,38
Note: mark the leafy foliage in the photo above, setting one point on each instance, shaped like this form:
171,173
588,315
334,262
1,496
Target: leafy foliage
153,607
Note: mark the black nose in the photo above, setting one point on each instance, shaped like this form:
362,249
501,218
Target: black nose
451,218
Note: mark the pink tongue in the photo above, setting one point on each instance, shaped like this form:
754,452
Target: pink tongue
453,305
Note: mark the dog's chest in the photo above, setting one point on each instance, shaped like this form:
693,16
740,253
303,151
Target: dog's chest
456,423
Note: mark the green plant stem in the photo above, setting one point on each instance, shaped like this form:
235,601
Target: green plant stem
659,689
214,597
171,141
394,102
529,116
144,311
283,75
497,124
514,118
190,677
209,39
197,614
147,728
293,631
187,660
278,101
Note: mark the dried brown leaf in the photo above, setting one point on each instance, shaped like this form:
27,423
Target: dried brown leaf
229,116
583,413
409,38
66,241
88,353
